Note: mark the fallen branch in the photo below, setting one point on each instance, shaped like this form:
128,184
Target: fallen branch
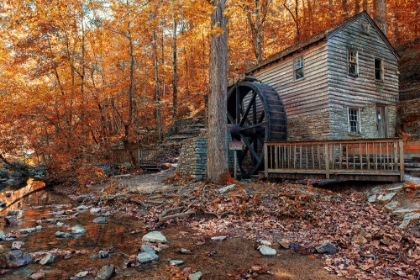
174,216
166,212
218,216
139,202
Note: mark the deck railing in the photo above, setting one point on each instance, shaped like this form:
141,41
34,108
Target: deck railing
380,157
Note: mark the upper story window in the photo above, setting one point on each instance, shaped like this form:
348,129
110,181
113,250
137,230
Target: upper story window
352,59
379,69
354,119
298,68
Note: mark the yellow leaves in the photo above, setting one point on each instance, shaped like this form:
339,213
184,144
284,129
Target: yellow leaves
217,31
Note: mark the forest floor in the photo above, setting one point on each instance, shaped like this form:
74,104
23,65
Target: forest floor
371,231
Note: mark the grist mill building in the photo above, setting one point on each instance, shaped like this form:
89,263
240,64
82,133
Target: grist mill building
338,84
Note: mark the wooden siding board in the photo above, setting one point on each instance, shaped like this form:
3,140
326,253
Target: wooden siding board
304,96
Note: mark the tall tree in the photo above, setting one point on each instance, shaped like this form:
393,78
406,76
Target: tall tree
174,70
217,169
256,12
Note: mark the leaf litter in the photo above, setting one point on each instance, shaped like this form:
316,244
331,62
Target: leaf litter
369,242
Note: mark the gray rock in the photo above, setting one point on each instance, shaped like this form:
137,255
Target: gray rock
195,276
95,210
147,249
27,230
408,218
144,257
17,213
392,205
61,234
103,254
16,245
52,221
60,213
82,274
176,262
386,197
186,251
265,242
100,220
60,224
82,208
105,273
403,211
396,188
78,230
227,188
2,235
284,243
48,259
372,198
37,275
14,258
219,238
38,228
154,236
267,251
326,248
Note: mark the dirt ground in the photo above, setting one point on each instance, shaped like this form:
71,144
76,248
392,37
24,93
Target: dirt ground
368,238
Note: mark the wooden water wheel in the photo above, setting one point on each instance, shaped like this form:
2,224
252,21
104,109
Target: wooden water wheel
256,115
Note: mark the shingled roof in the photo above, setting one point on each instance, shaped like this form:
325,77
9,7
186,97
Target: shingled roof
324,35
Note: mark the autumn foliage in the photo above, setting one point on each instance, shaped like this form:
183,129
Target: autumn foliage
79,78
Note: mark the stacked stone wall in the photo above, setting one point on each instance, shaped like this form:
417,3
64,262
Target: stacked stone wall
368,123
309,127
193,157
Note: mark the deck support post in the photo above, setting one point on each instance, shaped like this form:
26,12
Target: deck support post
401,147
327,162
265,160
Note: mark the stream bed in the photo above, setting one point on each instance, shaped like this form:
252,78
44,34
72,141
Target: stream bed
44,213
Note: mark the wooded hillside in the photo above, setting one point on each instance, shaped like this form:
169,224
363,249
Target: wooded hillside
80,77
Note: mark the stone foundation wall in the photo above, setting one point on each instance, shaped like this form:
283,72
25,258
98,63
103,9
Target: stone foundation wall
368,123
310,127
193,157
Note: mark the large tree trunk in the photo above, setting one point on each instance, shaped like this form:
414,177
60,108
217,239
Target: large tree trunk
379,6
217,169
174,73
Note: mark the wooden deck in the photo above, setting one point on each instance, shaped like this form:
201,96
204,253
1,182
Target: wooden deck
360,160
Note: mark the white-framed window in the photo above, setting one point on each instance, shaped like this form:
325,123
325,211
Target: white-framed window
379,69
298,67
353,119
353,62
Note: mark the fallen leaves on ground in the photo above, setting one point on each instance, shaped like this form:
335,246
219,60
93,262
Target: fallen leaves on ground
369,243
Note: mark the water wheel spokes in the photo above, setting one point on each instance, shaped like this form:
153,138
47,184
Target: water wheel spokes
251,115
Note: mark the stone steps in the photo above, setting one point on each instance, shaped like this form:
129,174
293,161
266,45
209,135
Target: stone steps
150,167
412,166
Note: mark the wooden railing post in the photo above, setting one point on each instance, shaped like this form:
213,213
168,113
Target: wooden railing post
265,160
327,161
401,147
